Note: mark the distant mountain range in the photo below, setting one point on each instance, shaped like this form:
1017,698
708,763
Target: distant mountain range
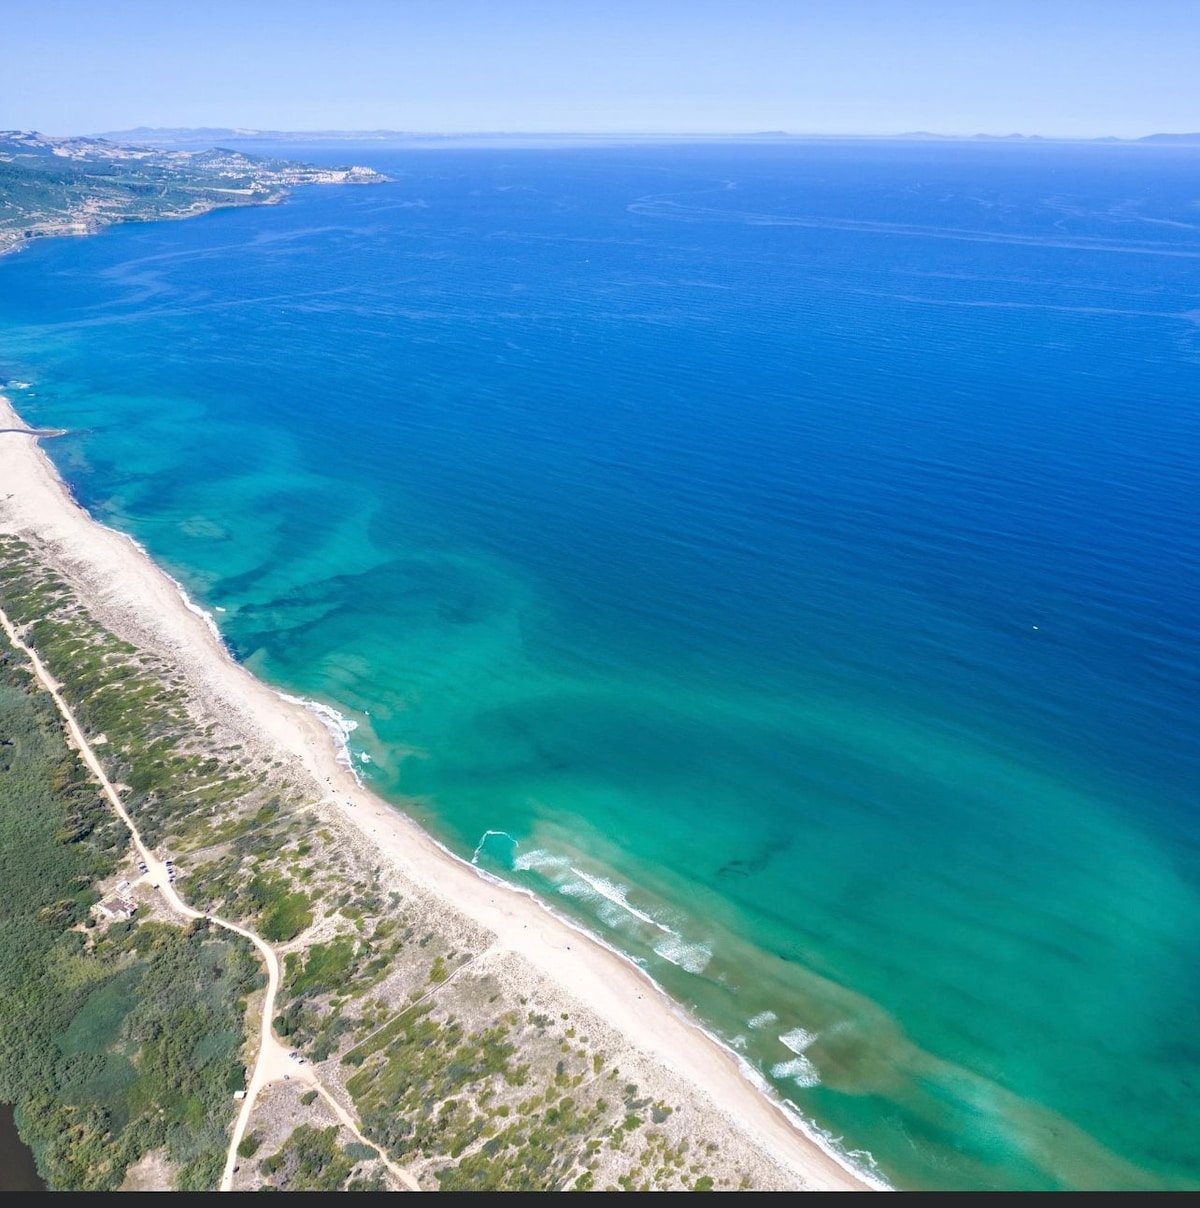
1169,138
1184,139
208,136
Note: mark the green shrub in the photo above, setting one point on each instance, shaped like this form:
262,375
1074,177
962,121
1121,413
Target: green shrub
285,917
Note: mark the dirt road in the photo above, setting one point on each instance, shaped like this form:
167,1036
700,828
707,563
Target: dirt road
272,1063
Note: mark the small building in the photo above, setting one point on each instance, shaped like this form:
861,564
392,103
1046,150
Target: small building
118,908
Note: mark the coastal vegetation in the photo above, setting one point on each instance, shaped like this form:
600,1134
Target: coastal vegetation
488,1098
312,1160
120,1039
459,1066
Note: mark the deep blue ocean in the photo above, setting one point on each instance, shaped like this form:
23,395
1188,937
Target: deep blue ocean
786,551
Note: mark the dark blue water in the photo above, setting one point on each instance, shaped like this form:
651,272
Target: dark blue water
788,549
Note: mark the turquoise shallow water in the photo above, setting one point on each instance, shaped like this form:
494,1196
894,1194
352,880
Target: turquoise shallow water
786,552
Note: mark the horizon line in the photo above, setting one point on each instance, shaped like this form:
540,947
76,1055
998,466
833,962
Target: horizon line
382,131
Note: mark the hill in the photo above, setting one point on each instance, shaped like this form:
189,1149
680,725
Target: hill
76,186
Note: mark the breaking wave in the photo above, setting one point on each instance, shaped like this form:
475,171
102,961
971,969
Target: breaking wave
799,1069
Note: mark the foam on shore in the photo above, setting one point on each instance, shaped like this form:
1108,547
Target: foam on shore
339,726
859,1163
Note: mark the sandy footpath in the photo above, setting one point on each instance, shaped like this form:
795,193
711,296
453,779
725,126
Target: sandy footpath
118,580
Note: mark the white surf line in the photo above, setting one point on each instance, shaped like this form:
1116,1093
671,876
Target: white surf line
487,834
616,895
272,1060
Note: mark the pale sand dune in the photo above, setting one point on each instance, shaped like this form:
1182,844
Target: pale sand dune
127,591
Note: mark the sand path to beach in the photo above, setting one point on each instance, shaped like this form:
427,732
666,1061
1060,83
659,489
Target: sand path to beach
273,1062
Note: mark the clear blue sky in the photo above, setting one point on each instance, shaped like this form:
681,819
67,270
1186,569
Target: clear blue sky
1055,67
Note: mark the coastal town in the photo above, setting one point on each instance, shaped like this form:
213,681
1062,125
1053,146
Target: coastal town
77,186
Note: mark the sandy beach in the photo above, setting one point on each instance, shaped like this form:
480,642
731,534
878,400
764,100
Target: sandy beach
128,593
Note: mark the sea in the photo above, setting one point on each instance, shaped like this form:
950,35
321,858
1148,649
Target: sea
779,556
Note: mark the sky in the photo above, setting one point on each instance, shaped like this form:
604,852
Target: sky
1075,68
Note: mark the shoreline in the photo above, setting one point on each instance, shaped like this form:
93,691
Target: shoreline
118,578
86,229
